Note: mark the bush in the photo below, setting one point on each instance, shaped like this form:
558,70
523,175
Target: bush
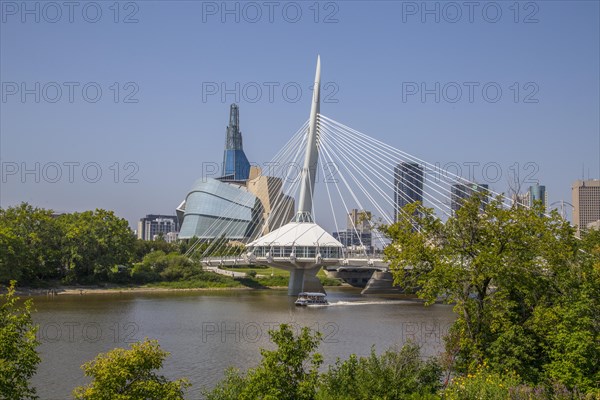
393,375
179,268
142,273
130,374
288,373
483,385
18,357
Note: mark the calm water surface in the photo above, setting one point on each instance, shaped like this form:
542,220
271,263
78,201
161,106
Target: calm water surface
208,331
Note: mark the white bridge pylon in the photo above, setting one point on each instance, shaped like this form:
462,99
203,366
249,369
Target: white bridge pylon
301,246
341,169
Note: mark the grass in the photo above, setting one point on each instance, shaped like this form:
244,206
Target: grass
260,270
280,277
208,280
195,284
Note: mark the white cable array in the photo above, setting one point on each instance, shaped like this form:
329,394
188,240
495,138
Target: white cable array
282,155
343,152
367,169
388,169
408,156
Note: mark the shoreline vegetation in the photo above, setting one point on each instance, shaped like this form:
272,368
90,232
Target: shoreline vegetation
96,252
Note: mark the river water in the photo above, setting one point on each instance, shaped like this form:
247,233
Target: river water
208,331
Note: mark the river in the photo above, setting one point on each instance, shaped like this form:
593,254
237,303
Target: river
208,331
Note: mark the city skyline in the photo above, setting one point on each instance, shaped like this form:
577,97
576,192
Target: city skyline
160,118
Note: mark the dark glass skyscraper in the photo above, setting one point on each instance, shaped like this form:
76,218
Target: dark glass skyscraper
235,164
408,185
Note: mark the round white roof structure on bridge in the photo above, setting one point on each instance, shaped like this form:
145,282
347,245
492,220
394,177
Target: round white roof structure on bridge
297,234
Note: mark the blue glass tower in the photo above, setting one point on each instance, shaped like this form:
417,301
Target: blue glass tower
537,193
235,164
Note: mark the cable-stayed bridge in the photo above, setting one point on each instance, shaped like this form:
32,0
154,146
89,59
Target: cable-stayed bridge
329,169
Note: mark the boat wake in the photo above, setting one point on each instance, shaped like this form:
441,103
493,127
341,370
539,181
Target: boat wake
360,303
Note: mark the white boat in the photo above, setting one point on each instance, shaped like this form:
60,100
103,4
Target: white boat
310,298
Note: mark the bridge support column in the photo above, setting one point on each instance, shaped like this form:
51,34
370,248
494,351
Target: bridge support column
304,280
381,282
296,284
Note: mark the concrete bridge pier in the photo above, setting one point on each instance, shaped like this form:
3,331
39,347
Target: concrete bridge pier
304,280
381,282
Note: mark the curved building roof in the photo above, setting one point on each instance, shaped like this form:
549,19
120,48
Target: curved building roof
214,208
297,234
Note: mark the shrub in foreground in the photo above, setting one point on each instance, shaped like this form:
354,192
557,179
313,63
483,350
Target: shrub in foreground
130,374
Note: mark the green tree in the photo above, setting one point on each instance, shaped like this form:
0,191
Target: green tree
18,357
29,244
143,247
94,242
289,372
12,249
393,375
514,276
130,374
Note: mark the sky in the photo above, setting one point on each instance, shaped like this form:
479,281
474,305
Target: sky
122,105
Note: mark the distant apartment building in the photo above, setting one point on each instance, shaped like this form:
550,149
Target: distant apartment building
359,220
408,185
358,231
153,225
460,192
586,202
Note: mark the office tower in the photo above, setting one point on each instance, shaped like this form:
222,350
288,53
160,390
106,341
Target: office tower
537,193
408,185
586,202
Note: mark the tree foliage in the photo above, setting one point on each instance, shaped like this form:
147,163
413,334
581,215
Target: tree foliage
37,245
29,244
289,372
94,242
396,374
525,293
18,356
130,374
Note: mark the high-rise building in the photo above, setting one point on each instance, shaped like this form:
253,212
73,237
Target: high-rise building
538,193
521,199
586,202
235,164
359,220
408,185
358,231
460,192
153,225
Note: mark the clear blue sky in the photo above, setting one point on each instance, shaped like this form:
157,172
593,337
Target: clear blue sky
177,48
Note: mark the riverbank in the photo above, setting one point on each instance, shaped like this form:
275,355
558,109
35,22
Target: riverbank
80,290
83,290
